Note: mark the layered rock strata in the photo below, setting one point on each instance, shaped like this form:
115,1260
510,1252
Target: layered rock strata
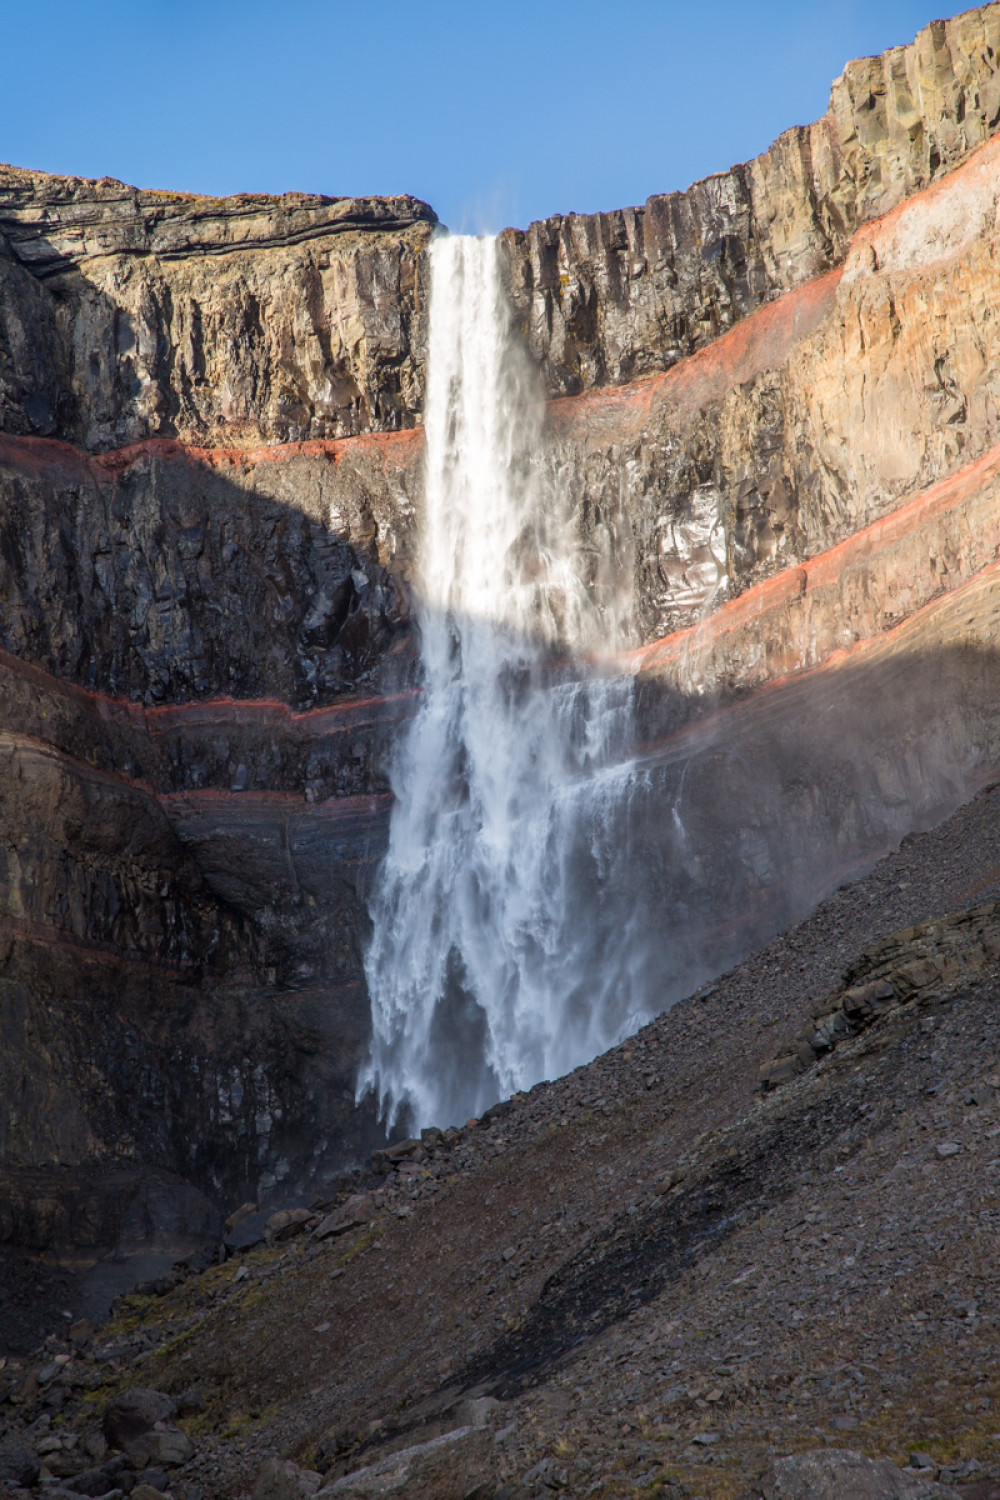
816,417
210,484
607,298
199,653
127,314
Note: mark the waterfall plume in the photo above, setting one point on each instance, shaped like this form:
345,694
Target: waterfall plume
495,958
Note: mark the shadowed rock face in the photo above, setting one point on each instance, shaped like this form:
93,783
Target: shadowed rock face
210,484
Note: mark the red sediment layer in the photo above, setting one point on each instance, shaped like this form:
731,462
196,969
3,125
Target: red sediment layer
164,717
760,341
225,801
988,154
792,583
258,804
44,936
891,641
36,453
160,719
757,342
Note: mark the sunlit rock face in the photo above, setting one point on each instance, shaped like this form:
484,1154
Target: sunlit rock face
772,403
129,314
822,413
608,298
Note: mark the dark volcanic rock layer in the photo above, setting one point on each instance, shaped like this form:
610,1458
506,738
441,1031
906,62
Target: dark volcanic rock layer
775,405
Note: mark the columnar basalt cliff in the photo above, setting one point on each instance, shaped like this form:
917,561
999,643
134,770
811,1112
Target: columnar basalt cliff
608,298
129,314
774,400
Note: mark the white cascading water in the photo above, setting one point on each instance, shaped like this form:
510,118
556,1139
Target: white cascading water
500,950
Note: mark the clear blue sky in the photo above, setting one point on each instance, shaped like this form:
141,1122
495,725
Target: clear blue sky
495,113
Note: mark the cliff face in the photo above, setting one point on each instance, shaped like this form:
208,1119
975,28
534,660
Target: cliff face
608,298
127,314
774,401
820,414
182,834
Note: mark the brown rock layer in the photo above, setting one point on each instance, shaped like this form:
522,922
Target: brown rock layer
126,314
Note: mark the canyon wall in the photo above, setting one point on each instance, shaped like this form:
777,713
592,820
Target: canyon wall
127,314
607,298
773,401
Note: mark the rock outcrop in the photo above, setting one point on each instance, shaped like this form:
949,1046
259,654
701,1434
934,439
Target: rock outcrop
128,314
608,298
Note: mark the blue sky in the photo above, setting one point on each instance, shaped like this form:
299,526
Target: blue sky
496,114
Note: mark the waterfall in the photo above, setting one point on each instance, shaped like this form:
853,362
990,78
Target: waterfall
500,947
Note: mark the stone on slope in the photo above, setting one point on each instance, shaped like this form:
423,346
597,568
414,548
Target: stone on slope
132,1413
287,1222
238,1215
280,1479
839,1474
168,1446
446,1468
19,1464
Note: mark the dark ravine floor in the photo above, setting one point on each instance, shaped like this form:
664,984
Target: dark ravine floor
661,1277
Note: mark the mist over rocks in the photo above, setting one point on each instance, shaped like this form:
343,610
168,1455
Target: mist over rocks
642,1269
772,404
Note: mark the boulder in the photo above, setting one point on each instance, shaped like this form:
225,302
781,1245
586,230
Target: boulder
156,1479
99,1481
287,1222
168,1447
359,1209
839,1474
280,1479
249,1232
477,1410
390,1156
446,1468
192,1402
238,1215
131,1413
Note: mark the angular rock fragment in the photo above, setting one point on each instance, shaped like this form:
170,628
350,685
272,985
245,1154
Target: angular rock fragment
165,1447
446,1468
280,1479
388,1157
19,1464
132,1413
287,1223
239,1214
